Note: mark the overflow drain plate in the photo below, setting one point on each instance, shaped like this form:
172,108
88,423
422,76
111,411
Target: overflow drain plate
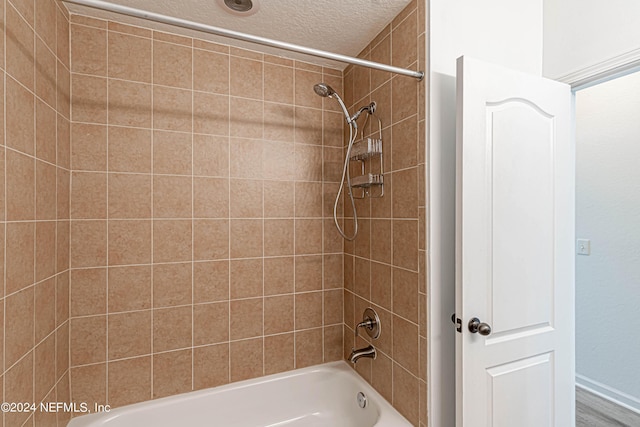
362,399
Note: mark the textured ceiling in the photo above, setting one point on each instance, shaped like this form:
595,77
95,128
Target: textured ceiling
339,26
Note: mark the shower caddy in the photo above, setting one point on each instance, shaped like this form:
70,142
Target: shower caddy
366,158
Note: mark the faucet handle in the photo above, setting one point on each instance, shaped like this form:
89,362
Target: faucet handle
370,323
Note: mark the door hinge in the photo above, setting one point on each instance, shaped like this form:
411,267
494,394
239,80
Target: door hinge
457,321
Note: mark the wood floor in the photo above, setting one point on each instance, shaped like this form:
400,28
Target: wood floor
594,411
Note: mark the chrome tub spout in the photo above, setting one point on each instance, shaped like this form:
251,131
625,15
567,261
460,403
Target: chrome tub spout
369,352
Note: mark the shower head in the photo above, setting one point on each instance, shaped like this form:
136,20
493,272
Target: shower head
326,91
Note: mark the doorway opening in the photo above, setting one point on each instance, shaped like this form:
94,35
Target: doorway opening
608,251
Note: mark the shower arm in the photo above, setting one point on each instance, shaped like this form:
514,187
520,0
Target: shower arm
183,23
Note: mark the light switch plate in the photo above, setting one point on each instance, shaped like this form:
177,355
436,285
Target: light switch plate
583,247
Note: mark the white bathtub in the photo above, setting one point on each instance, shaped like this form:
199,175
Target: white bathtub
319,396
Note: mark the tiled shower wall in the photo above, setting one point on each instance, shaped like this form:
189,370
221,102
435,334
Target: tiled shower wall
34,207
202,245
385,265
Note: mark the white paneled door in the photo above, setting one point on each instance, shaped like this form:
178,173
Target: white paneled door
514,249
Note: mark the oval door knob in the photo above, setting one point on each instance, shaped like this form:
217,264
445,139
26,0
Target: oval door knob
476,326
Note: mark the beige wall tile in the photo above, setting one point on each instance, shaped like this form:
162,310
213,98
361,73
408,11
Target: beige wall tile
20,186
129,334
246,238
278,161
246,278
88,340
246,78
89,99
246,118
129,57
172,109
308,167
19,380
210,281
308,347
172,65
129,242
19,331
278,314
278,237
46,123
278,275
44,368
278,122
172,284
129,196
20,45
88,292
45,310
172,373
88,50
308,310
405,294
172,196
333,343
246,318
405,244
211,197
405,344
210,155
172,240
129,150
89,383
210,72
333,307
171,328
308,234
210,366
211,239
406,393
308,273
405,40
246,359
278,199
130,104
245,200
45,249
89,147
279,353
381,285
88,243
129,381
210,323
129,288
278,83
20,243
333,271
210,114
404,149
88,195
405,97
172,153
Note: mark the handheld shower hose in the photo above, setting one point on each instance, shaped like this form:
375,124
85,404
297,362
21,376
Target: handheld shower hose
325,90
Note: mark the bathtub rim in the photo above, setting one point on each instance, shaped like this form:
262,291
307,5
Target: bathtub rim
388,415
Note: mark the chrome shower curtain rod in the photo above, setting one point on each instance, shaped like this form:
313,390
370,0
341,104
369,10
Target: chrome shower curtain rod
164,19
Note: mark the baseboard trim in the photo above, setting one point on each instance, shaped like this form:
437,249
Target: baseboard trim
609,393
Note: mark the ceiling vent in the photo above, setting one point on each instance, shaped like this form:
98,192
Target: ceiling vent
240,7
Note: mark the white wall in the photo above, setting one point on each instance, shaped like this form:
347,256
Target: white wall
608,213
589,34
504,32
